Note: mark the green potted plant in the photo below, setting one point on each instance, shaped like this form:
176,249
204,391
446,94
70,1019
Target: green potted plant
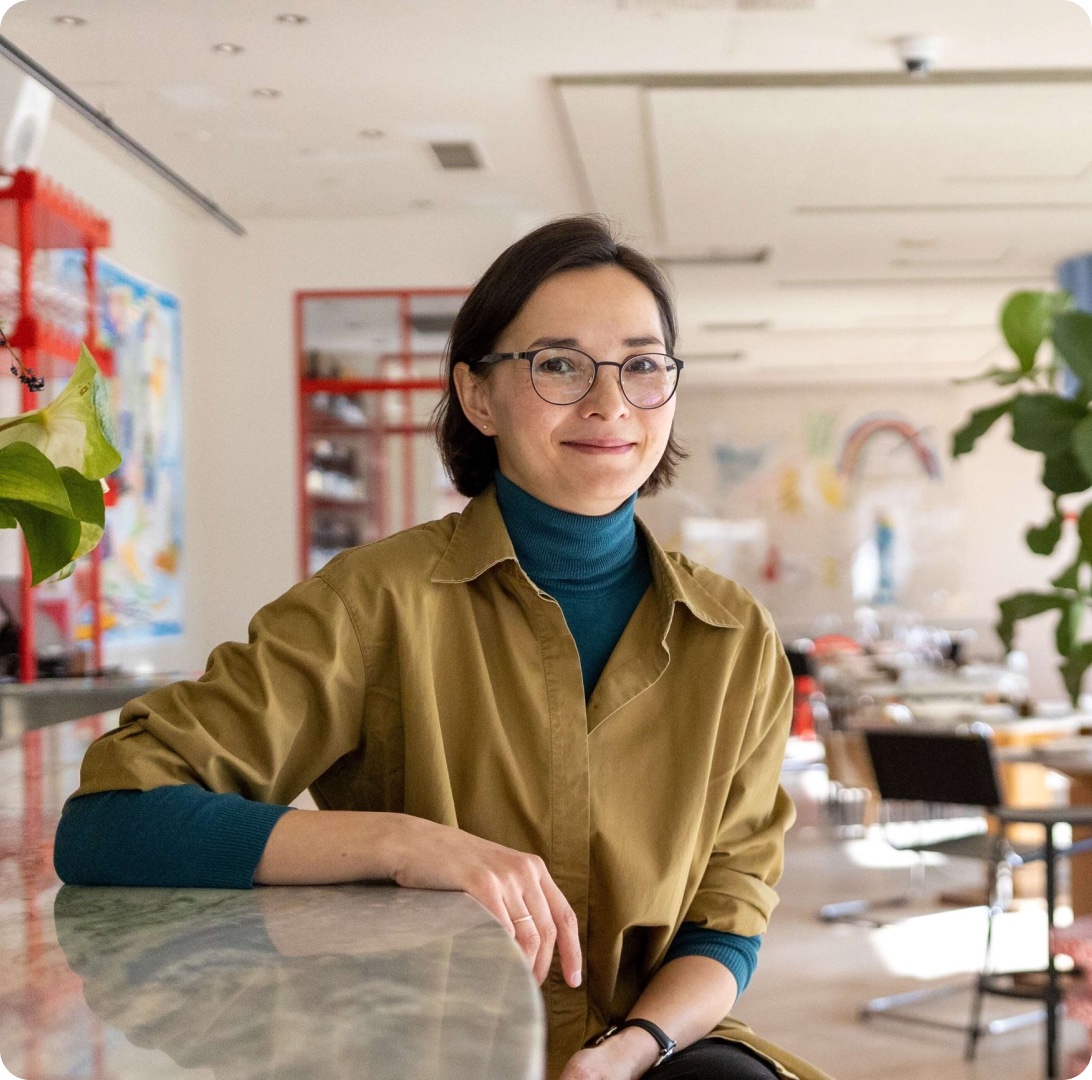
1050,415
53,464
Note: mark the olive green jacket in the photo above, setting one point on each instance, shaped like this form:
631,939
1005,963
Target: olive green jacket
426,674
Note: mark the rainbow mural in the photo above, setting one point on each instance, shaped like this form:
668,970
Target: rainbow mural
866,429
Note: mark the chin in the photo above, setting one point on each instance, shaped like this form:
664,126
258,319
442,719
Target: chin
619,487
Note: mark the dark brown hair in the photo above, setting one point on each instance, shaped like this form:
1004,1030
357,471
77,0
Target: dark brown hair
569,243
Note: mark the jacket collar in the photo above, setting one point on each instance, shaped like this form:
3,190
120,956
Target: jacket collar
480,541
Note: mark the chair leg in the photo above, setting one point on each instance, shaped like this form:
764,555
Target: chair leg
974,1028
855,911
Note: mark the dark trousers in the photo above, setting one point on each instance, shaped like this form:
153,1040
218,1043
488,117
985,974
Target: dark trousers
713,1059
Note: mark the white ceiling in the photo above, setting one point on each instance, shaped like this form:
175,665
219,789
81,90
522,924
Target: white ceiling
896,214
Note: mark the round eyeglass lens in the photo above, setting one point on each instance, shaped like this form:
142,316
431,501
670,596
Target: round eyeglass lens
562,376
649,380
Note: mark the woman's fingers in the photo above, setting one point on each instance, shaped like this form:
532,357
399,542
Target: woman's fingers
530,939
510,884
543,922
567,928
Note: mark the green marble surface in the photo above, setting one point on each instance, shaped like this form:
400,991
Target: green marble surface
278,983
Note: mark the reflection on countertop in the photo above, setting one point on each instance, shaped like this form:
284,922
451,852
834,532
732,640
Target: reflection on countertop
278,982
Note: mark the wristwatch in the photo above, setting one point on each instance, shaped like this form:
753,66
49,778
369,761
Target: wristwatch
667,1044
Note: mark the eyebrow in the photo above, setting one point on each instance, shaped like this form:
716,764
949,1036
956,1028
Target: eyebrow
572,343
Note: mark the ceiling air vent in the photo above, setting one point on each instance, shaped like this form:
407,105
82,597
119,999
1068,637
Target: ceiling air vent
457,155
751,257
755,327
775,5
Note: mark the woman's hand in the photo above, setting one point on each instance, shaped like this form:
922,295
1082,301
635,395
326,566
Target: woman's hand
627,1055
510,884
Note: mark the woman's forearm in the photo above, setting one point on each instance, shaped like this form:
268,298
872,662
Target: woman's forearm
687,997
311,847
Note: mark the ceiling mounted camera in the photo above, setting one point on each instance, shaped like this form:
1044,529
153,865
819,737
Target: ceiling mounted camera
919,55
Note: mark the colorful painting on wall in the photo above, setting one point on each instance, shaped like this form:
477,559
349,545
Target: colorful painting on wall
143,546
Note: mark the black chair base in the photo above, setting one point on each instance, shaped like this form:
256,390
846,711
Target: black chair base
895,1006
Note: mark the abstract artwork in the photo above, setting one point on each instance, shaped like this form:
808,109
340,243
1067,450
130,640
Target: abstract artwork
143,545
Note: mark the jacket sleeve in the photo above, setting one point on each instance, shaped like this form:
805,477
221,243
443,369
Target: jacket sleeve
264,721
736,892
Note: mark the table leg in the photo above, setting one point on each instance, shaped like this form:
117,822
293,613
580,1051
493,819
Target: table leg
1080,866
1052,971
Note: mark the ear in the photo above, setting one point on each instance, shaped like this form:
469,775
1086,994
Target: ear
474,397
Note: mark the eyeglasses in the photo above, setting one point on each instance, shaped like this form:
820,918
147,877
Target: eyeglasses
564,376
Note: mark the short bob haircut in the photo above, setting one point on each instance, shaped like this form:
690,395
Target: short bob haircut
569,243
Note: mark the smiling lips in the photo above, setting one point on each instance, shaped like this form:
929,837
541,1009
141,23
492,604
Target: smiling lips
601,446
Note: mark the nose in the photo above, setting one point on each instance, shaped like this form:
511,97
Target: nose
605,398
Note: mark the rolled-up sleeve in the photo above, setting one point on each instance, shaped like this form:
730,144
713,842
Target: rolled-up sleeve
736,893
265,720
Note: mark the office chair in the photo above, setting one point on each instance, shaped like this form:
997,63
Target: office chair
956,770
945,767
850,770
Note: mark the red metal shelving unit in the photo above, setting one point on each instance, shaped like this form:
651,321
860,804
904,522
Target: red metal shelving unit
36,215
394,377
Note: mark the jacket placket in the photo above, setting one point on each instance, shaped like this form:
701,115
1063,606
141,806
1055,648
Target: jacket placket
569,857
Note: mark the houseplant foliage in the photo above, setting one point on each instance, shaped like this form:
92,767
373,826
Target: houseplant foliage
1050,415
52,465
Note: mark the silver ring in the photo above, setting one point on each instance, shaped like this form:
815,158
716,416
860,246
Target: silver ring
524,918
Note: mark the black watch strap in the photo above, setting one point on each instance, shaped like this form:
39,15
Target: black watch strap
666,1043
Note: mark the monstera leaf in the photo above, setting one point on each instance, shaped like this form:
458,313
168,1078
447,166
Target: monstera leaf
52,462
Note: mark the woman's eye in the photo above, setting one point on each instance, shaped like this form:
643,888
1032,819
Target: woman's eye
555,365
644,365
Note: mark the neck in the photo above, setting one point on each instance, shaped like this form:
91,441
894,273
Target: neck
557,547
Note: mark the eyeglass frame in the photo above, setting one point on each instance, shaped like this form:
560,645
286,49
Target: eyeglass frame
529,356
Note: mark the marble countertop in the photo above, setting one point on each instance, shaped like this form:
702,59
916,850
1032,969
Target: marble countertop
330,982
27,706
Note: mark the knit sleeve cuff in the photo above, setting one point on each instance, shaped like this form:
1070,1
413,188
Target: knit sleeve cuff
737,953
242,829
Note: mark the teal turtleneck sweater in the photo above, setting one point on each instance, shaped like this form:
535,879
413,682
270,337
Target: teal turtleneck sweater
596,568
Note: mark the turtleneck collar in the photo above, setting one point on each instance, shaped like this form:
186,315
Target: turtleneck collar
565,552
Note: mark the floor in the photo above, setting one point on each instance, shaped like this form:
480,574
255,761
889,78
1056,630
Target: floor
817,1017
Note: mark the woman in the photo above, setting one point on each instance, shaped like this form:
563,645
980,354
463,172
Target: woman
529,701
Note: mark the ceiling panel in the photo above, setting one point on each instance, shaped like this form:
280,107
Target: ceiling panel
732,163
608,127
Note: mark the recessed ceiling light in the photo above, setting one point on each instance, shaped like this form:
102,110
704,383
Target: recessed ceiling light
70,20
371,133
228,47
267,92
292,20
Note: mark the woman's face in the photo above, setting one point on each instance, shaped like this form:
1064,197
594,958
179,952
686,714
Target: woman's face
588,457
